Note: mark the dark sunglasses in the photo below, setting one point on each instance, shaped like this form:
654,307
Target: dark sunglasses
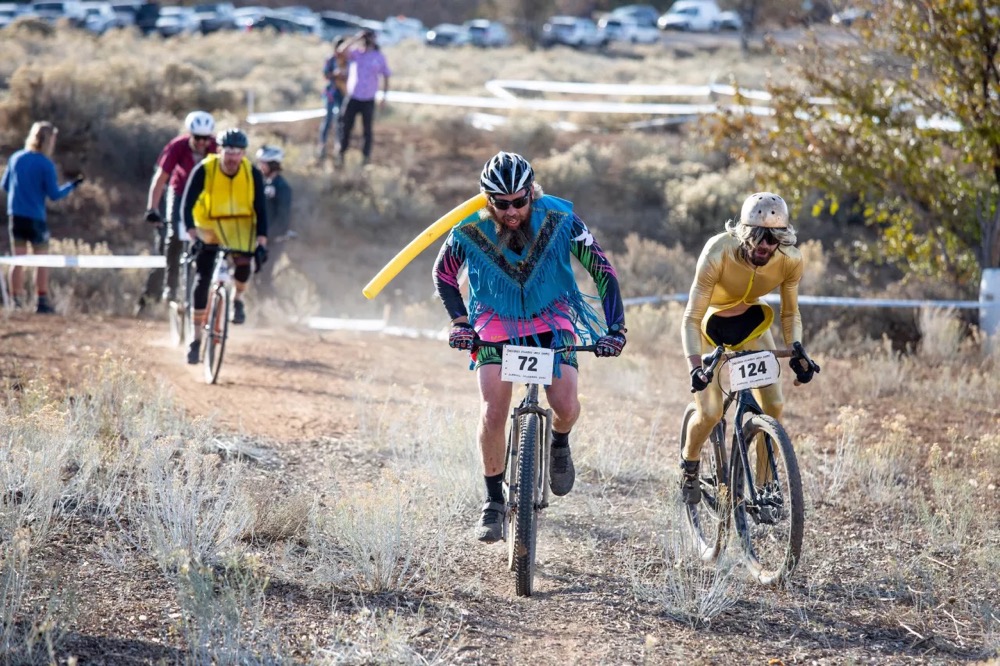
502,204
198,137
763,235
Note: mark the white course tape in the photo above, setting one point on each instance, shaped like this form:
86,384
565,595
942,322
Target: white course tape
839,301
85,261
505,99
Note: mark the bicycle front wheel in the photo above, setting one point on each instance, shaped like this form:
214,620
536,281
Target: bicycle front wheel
217,331
708,518
768,506
526,520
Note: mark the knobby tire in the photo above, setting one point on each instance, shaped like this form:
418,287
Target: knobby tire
218,331
771,534
526,524
709,518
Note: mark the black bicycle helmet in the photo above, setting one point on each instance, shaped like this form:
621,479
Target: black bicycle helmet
506,173
233,138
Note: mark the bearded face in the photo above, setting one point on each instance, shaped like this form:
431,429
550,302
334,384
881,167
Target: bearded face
513,228
761,246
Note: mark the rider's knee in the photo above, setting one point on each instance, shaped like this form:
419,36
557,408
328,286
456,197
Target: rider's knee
773,409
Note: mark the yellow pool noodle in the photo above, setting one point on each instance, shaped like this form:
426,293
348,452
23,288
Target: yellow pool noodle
420,243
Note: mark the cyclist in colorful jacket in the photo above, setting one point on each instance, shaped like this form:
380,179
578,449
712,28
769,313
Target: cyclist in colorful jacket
751,258
224,205
521,289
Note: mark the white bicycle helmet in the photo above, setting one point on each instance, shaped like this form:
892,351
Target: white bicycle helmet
506,173
765,209
200,123
270,154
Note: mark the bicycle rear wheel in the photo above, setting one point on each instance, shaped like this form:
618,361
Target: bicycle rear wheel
218,331
708,519
526,521
771,525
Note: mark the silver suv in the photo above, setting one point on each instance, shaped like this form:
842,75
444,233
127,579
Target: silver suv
574,31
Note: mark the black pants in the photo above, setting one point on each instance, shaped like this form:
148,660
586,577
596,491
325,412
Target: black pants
348,112
165,242
205,264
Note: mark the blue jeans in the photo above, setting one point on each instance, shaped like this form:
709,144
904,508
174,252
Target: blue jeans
332,115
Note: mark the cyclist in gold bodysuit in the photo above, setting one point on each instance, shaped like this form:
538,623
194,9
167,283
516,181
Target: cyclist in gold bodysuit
753,257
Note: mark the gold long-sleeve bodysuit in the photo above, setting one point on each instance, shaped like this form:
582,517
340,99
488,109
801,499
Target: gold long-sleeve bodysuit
722,281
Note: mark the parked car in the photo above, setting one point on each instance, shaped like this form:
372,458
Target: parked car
447,34
215,16
9,12
404,27
174,20
283,23
146,16
53,10
643,14
699,16
626,29
100,16
487,34
339,24
848,16
244,17
574,31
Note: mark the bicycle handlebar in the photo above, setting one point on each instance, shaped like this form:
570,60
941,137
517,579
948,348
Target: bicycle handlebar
711,361
558,350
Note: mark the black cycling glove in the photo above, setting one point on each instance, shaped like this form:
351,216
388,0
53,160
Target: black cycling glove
803,369
153,216
699,380
260,257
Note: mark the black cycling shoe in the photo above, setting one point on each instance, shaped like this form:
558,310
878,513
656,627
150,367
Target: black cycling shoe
194,352
562,473
690,484
490,526
239,312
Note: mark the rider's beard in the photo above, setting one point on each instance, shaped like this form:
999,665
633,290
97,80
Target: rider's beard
514,239
759,256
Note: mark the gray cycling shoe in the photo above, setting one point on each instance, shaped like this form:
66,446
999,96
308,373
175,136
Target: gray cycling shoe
239,312
562,474
690,485
490,527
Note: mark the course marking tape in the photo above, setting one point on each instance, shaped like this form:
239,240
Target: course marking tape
775,299
85,261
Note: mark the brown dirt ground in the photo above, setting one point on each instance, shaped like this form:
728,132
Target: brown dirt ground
298,390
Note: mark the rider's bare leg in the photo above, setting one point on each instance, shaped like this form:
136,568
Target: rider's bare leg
494,409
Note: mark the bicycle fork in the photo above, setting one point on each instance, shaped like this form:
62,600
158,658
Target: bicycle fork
544,414
764,506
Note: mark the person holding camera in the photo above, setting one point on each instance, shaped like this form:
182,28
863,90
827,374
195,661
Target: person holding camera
365,65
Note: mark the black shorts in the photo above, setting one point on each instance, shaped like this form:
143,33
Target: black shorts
27,230
732,331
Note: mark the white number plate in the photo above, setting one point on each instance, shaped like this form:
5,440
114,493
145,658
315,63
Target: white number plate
753,371
527,365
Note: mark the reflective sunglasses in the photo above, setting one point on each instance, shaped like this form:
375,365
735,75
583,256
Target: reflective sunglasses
502,204
198,137
764,235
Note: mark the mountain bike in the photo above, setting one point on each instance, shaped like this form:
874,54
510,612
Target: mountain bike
757,486
179,312
529,441
220,298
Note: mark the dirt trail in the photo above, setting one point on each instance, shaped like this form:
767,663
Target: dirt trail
305,394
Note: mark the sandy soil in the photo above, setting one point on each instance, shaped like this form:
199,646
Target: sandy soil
302,391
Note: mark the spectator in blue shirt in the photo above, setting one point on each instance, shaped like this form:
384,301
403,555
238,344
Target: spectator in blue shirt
30,178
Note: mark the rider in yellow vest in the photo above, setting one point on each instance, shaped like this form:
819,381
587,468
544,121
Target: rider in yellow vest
224,205
736,268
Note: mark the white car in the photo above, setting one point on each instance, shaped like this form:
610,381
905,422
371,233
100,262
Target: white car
574,31
486,33
404,27
628,30
175,20
698,16
100,17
